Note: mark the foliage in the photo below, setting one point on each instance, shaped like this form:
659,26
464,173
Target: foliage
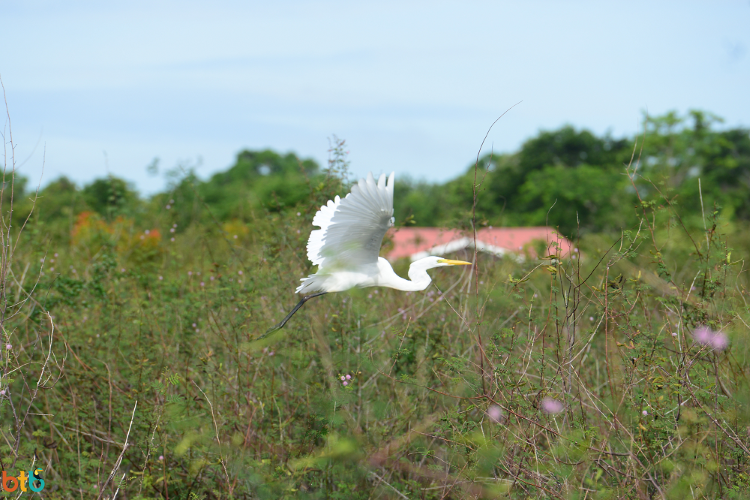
573,180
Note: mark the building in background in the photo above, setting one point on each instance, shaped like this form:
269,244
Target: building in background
517,242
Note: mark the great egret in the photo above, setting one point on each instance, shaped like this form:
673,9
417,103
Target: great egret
346,246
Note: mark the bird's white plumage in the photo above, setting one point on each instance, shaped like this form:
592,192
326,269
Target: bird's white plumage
351,232
346,246
322,219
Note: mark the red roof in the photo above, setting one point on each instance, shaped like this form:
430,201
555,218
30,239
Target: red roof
408,241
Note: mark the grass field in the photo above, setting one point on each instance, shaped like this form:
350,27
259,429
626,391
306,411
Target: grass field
130,367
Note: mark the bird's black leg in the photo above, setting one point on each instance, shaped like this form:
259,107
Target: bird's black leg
289,316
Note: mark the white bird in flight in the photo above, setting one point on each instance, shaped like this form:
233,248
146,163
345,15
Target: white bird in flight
346,246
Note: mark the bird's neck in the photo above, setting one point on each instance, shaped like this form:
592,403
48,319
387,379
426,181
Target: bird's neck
417,274
419,278
419,281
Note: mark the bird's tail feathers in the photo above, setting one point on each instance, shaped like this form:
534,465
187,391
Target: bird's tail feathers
311,284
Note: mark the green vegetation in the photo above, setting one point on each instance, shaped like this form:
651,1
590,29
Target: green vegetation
129,366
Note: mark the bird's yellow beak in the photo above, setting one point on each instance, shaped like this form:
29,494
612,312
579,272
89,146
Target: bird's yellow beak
454,262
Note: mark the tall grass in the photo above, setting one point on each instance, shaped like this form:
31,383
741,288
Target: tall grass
131,368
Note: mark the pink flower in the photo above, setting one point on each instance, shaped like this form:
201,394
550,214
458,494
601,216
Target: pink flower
8,347
644,413
717,341
343,378
552,406
495,413
703,335
348,377
346,383
720,341
161,457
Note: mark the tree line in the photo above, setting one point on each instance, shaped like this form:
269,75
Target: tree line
568,178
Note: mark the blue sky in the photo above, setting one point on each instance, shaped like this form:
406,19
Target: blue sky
103,87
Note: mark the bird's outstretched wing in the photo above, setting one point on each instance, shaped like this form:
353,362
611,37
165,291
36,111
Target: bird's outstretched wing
352,229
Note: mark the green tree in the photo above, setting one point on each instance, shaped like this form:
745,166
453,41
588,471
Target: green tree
111,196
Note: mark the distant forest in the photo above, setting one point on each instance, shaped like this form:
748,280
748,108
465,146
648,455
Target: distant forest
568,178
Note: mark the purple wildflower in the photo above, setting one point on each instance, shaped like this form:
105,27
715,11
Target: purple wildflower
495,413
718,341
552,406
